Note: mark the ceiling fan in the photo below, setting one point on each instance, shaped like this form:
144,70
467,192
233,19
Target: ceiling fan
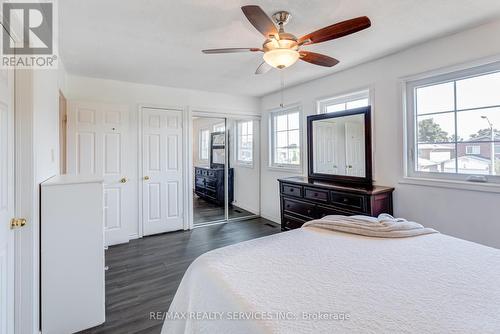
282,49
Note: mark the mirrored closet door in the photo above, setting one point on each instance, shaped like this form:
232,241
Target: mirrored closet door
225,169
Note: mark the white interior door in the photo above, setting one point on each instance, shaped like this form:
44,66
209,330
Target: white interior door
6,202
97,145
355,149
326,148
162,157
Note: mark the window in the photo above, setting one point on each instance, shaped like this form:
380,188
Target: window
204,143
244,144
454,125
344,102
475,150
220,127
285,138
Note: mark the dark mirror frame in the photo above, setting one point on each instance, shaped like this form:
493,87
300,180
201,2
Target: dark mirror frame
367,181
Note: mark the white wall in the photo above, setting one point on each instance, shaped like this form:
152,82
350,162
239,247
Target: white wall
135,95
471,215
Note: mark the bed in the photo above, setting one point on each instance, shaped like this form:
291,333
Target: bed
312,280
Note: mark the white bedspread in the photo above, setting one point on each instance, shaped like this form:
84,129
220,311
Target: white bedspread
426,284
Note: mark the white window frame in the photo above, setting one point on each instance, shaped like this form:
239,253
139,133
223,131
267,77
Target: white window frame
200,145
285,167
217,127
238,136
472,149
410,86
323,104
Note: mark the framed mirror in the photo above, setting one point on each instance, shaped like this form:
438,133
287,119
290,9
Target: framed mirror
218,149
339,147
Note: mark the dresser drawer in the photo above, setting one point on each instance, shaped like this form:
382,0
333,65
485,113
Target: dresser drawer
211,173
323,211
291,190
197,171
352,201
200,181
290,223
316,194
211,183
299,208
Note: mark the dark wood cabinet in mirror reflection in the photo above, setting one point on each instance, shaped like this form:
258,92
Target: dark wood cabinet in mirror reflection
209,184
303,199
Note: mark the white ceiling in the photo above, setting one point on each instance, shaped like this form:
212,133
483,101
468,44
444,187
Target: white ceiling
160,41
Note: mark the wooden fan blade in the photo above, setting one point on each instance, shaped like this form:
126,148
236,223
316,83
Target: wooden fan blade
318,59
259,19
263,68
336,30
230,50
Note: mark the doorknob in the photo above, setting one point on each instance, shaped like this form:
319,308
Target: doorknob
17,223
123,180
146,178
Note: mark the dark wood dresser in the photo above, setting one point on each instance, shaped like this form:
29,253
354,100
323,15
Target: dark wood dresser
209,184
303,199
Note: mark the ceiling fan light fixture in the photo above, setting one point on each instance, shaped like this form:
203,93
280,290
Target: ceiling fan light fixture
281,58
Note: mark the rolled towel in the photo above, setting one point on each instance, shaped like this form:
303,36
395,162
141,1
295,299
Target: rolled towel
384,226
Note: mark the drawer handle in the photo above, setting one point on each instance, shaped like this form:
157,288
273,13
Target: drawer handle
308,210
315,194
288,205
291,190
346,200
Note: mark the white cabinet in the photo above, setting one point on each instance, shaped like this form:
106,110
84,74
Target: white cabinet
72,254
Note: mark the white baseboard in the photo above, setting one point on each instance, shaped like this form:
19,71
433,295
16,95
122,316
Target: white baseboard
276,220
133,236
246,208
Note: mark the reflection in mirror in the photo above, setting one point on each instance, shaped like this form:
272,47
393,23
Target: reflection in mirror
218,156
339,146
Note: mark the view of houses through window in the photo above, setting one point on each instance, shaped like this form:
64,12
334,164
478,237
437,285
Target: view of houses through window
285,138
244,144
458,126
204,144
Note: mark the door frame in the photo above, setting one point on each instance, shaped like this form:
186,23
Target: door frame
27,264
185,156
213,113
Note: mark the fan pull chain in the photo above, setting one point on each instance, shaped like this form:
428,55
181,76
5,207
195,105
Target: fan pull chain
282,74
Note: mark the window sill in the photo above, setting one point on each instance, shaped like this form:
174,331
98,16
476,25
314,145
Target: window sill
244,165
452,184
286,169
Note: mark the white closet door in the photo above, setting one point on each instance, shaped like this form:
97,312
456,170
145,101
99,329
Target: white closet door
355,149
6,202
97,145
326,149
162,170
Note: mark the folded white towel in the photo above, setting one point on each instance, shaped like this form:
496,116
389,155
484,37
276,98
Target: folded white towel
384,226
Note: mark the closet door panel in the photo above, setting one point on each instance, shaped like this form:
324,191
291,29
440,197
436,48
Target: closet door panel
97,145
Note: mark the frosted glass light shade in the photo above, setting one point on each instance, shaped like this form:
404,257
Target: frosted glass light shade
281,58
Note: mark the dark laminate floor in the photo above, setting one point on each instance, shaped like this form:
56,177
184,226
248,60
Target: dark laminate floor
144,274
205,212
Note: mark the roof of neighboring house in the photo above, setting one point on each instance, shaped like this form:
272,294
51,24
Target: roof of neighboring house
470,158
485,138
426,163
436,146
